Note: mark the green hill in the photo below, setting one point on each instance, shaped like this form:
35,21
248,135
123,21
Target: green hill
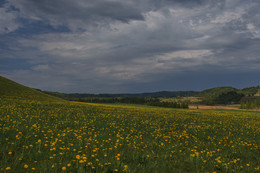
216,91
11,89
251,91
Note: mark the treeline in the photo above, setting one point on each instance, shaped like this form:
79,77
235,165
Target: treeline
128,100
183,105
230,97
133,100
160,94
250,103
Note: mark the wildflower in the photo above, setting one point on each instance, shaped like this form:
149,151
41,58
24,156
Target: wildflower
7,168
81,161
63,168
68,164
125,167
25,166
10,153
77,156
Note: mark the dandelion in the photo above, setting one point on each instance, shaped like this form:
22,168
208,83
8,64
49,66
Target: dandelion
25,166
63,168
77,156
7,168
81,161
125,167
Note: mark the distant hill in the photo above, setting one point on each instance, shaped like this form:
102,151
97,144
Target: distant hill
208,93
226,95
12,89
165,94
251,91
216,91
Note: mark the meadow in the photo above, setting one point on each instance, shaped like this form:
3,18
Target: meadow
86,137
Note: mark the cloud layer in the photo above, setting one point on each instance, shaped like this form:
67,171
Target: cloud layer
134,46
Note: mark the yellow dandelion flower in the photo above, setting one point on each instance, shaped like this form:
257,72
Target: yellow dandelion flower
25,166
81,161
63,168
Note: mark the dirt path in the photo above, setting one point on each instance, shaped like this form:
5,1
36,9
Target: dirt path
218,107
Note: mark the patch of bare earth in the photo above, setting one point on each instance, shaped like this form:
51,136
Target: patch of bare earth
235,107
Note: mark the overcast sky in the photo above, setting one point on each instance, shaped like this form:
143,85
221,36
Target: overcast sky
133,46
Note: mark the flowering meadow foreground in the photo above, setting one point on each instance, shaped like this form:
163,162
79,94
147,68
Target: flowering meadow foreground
81,137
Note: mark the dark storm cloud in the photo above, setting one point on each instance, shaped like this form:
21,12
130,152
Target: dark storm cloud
130,46
77,14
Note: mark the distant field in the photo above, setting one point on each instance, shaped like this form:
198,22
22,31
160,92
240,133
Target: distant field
182,99
82,137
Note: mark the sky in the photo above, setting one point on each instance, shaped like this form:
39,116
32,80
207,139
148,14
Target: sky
133,46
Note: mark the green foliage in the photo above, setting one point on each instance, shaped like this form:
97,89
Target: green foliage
129,100
170,104
12,89
230,97
165,94
213,92
221,95
251,91
135,100
250,103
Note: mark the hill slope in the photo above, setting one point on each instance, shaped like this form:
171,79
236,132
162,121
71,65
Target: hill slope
216,91
11,89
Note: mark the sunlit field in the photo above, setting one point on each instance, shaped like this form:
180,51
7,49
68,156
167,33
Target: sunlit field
81,137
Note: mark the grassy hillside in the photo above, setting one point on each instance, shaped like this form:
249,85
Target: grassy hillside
11,89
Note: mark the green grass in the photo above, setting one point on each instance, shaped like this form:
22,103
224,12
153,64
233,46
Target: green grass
81,137
12,89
